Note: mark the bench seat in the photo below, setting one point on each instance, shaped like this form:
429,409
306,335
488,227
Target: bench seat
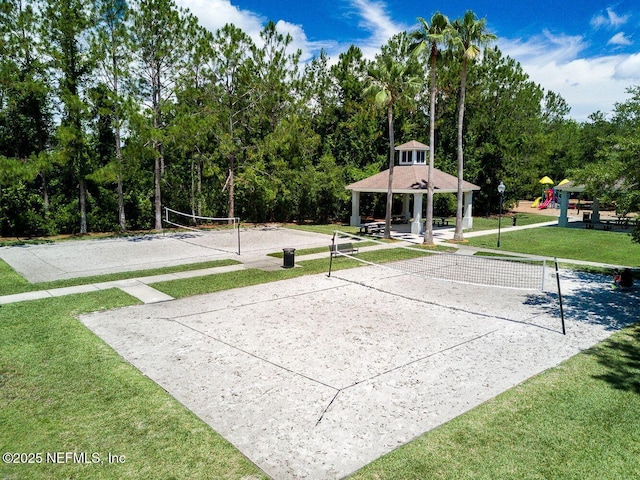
346,248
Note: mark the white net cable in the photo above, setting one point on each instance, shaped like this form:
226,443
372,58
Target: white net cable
505,272
204,225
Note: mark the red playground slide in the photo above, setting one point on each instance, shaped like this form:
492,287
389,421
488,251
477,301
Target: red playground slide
546,203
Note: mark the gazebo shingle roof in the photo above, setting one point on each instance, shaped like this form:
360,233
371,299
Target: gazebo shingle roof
409,179
412,145
570,186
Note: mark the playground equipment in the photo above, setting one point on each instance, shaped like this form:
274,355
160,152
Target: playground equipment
549,195
548,200
546,181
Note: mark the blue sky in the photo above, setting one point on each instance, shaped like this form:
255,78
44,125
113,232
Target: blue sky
588,51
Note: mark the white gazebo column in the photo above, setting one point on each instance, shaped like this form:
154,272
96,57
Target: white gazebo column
406,204
355,209
467,216
416,225
563,221
595,211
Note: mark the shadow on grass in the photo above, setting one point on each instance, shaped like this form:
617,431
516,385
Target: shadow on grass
590,299
620,356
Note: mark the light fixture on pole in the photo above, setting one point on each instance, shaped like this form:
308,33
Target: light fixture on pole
501,189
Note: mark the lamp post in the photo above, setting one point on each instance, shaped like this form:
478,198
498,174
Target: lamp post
501,189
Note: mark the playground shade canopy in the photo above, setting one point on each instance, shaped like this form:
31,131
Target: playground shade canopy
546,181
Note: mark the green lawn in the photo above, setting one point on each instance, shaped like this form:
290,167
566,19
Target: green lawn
578,421
63,389
14,283
326,229
310,251
491,223
224,281
573,243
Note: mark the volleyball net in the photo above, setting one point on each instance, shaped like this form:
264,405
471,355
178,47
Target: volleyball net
506,272
224,231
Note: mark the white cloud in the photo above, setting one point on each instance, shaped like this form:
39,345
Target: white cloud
611,20
300,41
551,48
376,19
587,84
629,69
371,16
619,39
215,14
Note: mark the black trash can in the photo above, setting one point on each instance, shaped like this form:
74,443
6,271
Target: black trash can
515,219
289,257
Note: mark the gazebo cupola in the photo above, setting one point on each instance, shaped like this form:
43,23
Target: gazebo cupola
410,175
412,153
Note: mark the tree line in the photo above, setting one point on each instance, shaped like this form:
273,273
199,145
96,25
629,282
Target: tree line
110,110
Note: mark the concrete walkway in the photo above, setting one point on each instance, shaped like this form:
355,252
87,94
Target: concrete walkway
444,235
463,249
136,287
140,287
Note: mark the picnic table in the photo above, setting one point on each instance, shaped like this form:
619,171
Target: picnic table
626,222
372,227
607,224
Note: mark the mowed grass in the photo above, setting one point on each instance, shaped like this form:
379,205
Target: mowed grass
506,220
14,283
578,421
327,229
225,281
614,248
64,390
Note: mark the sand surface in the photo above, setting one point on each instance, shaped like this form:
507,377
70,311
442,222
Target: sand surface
83,258
315,377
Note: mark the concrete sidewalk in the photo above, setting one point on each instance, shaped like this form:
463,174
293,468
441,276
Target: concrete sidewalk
76,259
140,289
136,287
446,236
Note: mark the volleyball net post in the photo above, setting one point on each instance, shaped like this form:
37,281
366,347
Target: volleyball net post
203,225
511,272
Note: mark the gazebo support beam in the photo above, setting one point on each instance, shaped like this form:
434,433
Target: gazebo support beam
416,225
467,218
406,206
563,220
355,209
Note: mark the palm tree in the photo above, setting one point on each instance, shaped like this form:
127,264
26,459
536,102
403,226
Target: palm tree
469,34
430,36
394,80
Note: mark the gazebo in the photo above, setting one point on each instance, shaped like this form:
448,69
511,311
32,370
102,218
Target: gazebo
565,189
410,179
